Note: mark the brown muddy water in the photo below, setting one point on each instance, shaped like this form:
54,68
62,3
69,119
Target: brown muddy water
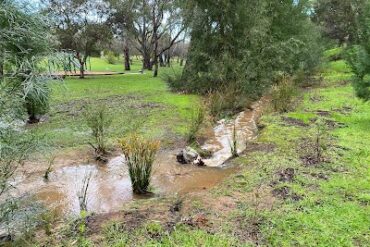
110,186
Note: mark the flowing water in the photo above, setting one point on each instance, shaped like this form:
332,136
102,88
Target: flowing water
110,186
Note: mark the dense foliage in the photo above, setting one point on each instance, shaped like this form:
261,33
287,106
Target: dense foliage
80,26
245,45
337,18
358,56
24,42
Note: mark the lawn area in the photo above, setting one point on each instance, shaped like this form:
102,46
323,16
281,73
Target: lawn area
100,64
135,101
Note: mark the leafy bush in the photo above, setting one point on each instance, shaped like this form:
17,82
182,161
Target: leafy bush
282,94
358,56
111,58
140,154
99,120
358,59
249,51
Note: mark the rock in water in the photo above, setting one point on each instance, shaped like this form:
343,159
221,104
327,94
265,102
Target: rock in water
198,161
189,156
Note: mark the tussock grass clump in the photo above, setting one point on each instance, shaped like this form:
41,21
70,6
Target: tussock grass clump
282,94
197,118
140,154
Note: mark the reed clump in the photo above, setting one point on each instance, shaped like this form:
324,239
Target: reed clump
140,154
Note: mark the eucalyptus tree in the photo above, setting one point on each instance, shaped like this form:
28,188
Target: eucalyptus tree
148,22
80,26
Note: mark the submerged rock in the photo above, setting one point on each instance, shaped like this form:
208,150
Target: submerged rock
189,156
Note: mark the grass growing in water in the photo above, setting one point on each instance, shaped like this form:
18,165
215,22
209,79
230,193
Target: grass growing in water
197,119
98,120
140,154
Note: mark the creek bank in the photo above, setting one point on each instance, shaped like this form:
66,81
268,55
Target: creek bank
110,185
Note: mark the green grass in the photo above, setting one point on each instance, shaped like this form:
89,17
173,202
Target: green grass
153,234
332,212
135,101
327,204
100,64
333,52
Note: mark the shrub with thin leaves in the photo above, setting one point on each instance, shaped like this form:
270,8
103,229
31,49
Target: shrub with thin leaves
196,121
99,120
139,153
111,58
283,94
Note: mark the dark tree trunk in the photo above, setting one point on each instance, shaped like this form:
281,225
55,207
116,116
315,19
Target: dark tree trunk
168,60
155,57
82,70
82,61
182,62
161,62
126,52
155,53
147,63
1,68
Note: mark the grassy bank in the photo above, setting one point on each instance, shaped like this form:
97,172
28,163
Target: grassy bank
283,194
280,198
136,101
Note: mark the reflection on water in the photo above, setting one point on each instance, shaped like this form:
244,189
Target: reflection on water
110,186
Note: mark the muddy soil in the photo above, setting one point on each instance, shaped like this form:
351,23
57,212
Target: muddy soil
110,186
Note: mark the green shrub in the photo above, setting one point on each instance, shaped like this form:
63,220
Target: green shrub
111,58
98,120
283,94
227,102
140,154
197,118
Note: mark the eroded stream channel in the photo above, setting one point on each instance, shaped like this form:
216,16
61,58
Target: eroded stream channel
110,185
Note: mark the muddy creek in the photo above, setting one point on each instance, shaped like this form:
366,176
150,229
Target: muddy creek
110,186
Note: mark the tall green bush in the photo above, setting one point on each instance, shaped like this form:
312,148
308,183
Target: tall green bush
247,44
358,56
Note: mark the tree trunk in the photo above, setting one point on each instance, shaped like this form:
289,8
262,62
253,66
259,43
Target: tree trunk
82,70
126,52
1,68
155,53
168,59
147,63
155,59
161,62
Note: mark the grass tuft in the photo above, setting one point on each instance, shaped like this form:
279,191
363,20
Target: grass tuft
140,154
